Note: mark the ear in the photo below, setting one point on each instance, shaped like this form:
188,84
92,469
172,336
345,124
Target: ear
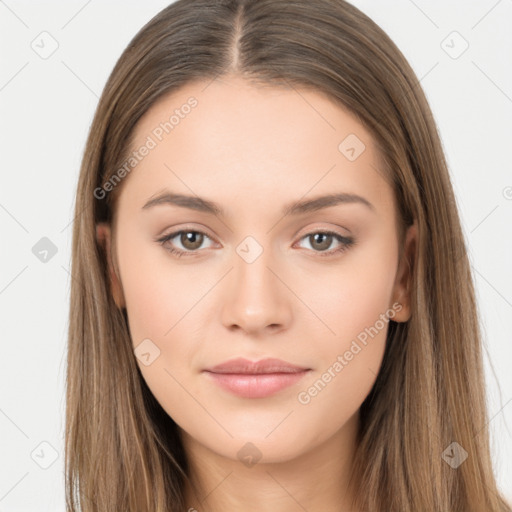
104,238
404,276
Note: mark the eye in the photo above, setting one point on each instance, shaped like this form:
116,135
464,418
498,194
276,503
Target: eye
191,240
322,240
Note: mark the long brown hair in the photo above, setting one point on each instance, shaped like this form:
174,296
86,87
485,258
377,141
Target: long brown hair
123,452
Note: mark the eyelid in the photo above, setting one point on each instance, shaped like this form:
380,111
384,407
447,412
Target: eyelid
175,231
185,229
324,227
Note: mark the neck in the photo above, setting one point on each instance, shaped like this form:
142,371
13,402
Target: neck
314,480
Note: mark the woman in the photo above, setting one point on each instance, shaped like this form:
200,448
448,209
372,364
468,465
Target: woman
273,307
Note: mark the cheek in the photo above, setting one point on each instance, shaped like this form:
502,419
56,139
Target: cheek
350,297
350,354
354,304
161,303
157,294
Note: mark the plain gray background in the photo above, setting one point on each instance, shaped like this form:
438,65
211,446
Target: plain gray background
46,106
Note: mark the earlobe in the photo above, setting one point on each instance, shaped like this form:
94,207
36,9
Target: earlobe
403,283
104,238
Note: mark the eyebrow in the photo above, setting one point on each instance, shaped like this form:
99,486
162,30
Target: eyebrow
294,208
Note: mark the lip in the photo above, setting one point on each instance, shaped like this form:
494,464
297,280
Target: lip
258,379
245,366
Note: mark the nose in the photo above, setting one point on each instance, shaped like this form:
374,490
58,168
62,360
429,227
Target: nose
257,299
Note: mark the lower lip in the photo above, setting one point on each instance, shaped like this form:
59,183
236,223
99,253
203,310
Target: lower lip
256,385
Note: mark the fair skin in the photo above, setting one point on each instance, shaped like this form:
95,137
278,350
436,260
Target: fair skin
253,150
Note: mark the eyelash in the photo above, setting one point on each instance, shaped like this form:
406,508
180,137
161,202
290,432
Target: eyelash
346,243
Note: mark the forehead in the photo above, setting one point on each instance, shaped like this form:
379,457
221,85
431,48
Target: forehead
227,138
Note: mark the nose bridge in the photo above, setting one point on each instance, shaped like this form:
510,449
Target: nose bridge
256,297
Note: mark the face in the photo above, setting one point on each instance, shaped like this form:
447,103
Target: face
259,267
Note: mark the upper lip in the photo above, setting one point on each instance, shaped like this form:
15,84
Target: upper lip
270,365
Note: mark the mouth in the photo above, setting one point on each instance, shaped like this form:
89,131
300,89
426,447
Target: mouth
260,379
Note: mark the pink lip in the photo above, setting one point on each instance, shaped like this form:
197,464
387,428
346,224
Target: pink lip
255,379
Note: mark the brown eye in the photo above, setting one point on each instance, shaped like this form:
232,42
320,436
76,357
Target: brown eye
191,240
184,242
320,241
